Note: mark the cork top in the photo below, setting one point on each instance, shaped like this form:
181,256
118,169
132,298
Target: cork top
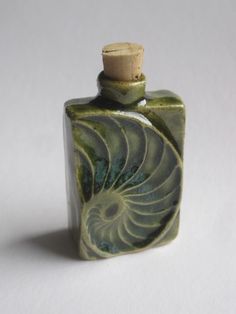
123,61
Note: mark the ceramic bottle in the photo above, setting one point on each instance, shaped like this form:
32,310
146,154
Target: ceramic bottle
124,160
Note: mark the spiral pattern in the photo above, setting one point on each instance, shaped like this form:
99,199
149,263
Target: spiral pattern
129,178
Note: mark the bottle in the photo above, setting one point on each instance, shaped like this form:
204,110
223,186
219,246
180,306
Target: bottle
124,152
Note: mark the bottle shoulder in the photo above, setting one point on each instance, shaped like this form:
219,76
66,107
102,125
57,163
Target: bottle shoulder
160,100
74,106
77,103
163,98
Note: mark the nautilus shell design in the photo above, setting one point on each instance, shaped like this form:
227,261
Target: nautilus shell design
129,180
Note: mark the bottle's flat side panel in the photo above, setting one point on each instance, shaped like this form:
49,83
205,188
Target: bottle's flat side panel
73,199
166,111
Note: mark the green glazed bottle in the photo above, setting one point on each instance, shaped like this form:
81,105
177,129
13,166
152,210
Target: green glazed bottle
124,154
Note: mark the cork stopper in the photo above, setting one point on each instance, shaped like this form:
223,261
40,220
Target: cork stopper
123,61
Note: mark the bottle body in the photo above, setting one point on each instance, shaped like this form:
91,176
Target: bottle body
123,169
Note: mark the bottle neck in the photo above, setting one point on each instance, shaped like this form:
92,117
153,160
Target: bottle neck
123,92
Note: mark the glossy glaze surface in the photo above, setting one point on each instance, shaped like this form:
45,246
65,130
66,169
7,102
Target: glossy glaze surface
124,168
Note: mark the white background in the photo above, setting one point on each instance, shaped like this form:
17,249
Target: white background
50,52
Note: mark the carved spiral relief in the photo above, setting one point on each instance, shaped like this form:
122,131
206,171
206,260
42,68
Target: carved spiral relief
129,179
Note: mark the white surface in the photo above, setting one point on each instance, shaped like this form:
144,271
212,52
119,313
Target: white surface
50,52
